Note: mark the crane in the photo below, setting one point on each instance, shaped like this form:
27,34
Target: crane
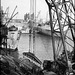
61,14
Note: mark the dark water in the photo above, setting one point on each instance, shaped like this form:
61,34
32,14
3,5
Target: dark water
43,46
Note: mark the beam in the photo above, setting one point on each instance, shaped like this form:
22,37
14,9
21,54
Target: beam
52,29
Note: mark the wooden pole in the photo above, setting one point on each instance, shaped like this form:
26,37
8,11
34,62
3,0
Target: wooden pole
30,40
31,24
32,15
34,26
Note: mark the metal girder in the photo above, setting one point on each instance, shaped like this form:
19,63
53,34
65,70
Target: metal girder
65,9
52,29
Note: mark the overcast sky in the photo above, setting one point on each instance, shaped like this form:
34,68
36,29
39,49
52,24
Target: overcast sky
23,6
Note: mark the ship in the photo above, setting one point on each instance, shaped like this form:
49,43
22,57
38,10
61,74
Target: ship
46,30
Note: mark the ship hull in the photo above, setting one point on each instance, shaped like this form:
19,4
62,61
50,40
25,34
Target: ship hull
47,32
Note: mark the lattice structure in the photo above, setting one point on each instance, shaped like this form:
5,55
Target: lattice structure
62,22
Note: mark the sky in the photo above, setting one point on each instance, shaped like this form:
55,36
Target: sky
23,6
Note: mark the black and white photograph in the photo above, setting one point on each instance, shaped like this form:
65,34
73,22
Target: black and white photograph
37,37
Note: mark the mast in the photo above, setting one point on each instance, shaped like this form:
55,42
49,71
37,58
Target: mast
30,27
34,26
32,23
